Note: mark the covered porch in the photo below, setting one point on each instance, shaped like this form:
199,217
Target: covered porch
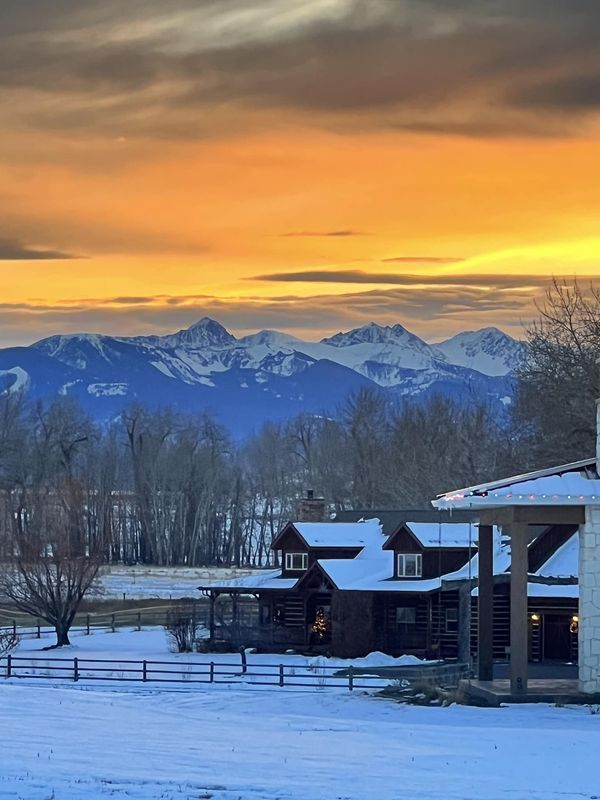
565,495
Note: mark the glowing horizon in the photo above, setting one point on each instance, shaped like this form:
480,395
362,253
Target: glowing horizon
293,167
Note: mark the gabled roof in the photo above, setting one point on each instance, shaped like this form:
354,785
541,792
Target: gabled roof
576,483
438,534
328,535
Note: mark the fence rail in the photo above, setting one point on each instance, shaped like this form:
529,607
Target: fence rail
88,623
196,672
315,676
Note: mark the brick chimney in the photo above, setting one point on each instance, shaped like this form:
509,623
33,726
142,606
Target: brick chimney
311,508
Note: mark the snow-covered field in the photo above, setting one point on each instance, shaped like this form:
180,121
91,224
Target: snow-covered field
223,742
141,583
116,656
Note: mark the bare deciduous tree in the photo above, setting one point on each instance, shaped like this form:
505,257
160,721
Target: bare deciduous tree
558,378
51,563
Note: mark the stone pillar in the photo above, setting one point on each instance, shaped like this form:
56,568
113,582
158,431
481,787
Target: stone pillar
589,601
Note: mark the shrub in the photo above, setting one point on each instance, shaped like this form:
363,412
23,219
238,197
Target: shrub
8,642
182,629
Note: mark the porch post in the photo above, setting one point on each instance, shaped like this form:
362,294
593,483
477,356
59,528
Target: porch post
519,635
234,615
485,604
211,617
464,622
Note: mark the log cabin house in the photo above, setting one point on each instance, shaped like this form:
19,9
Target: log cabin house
398,582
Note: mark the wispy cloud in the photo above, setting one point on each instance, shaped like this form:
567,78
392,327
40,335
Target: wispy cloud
481,280
434,310
422,260
477,67
340,233
14,250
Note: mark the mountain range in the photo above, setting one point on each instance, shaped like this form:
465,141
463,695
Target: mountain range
264,376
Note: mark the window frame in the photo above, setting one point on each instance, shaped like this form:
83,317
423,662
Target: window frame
289,559
405,625
401,559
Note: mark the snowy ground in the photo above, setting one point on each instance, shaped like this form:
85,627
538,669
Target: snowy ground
126,650
240,743
141,583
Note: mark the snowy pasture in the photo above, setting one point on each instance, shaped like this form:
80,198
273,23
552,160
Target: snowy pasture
108,656
224,742
141,583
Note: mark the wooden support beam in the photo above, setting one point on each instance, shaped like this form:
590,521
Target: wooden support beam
519,635
533,515
485,605
464,623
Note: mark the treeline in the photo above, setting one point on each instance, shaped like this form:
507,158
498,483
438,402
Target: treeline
160,488
165,489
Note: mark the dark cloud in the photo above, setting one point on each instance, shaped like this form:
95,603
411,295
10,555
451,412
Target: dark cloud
475,67
13,250
477,280
577,93
341,233
431,311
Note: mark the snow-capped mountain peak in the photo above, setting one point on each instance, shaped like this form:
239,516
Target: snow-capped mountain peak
206,332
488,350
266,375
373,333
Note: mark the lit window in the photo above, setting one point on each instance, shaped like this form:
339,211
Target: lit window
296,561
406,617
410,565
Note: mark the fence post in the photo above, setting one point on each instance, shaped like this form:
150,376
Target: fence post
87,626
144,671
39,632
281,674
75,669
139,618
8,665
244,660
14,627
112,622
212,671
350,678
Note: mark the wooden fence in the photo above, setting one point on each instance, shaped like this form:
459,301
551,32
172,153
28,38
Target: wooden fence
89,623
314,675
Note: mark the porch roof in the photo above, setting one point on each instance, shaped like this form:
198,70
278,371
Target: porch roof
269,579
575,484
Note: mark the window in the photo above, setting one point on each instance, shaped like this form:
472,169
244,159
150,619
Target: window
296,561
409,565
451,620
406,617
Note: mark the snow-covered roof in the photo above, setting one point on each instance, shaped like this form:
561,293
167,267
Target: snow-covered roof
373,568
433,534
269,579
570,484
564,562
340,534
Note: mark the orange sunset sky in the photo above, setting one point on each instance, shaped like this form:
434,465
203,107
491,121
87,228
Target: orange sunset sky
304,165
